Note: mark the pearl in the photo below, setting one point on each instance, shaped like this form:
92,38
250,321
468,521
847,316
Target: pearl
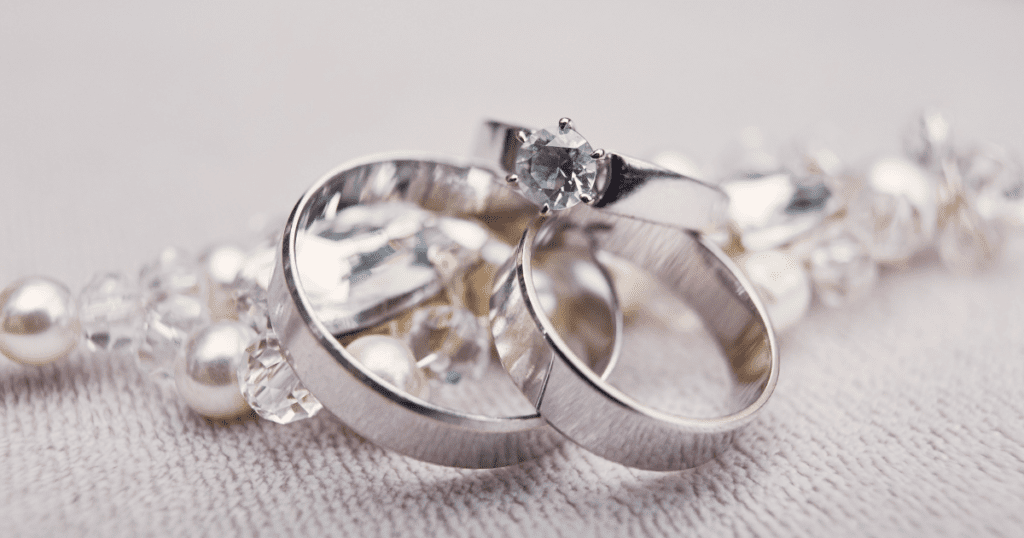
38,321
221,265
782,284
206,374
391,360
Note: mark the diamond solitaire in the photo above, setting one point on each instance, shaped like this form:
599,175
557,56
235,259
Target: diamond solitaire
556,168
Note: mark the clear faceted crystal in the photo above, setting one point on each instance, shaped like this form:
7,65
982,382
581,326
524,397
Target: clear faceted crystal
172,273
110,312
168,324
993,180
555,167
842,269
250,286
175,300
967,242
904,205
451,341
271,387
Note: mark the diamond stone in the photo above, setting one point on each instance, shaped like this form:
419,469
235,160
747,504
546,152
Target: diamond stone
555,168
271,387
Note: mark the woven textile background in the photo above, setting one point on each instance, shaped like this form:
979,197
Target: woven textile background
125,128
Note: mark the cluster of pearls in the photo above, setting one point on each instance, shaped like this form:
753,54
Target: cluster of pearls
198,325
805,226
190,323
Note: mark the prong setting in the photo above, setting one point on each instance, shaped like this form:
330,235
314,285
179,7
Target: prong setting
587,198
545,209
565,123
522,136
598,153
511,178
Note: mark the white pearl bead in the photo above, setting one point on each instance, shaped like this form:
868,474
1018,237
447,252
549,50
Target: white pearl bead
782,284
391,360
221,265
206,374
38,321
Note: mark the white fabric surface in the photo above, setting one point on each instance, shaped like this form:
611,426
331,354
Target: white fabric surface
125,128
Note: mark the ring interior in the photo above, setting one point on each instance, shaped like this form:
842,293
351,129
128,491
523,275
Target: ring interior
446,188
707,281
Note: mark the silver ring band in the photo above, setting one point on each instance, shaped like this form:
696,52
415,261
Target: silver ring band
376,410
625,185
590,411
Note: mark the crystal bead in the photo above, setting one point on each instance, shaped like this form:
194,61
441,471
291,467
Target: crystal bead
903,202
176,304
111,314
250,287
782,284
452,342
967,241
168,324
258,266
251,309
172,273
841,268
270,386
993,179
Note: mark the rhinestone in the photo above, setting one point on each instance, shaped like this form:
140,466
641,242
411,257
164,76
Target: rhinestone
555,168
270,386
110,312
994,181
168,324
175,300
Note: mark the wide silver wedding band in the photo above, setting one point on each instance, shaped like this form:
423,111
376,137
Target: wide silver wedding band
585,407
651,218
376,410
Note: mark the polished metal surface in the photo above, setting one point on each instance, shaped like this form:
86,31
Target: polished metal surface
586,408
367,403
625,185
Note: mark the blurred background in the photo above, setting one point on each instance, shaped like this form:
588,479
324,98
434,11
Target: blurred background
126,127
